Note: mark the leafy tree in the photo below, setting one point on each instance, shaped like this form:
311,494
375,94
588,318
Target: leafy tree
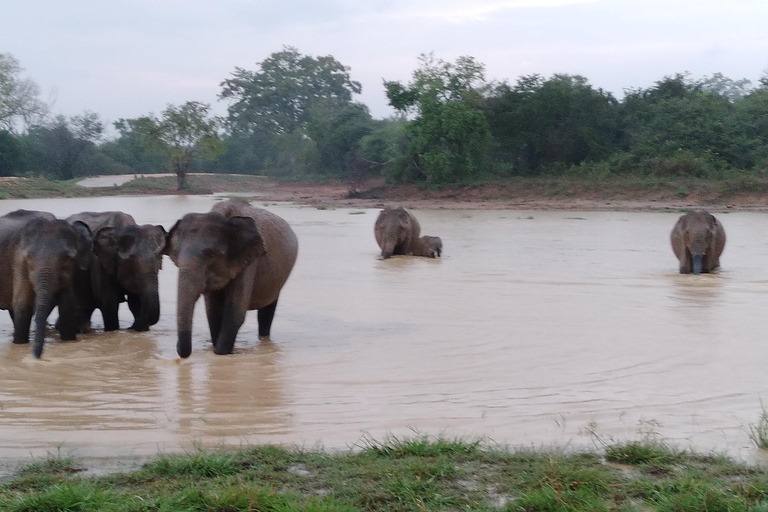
183,133
677,127
63,148
448,140
279,95
562,120
337,133
10,154
19,101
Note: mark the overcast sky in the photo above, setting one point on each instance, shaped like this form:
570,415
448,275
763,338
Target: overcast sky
127,58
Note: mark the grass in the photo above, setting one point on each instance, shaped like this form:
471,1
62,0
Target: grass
758,433
401,474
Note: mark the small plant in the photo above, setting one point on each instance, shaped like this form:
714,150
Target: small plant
758,434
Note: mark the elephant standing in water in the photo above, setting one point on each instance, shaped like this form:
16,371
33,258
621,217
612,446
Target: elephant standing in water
126,260
397,232
238,257
39,255
698,240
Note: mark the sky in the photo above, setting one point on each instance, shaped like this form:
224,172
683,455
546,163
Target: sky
128,58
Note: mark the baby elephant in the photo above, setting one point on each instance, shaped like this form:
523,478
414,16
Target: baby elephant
397,232
429,246
698,240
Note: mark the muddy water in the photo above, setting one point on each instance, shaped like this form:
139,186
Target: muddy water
535,328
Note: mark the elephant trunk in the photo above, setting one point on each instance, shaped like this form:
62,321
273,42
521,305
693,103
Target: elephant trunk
388,248
149,311
45,301
189,290
697,261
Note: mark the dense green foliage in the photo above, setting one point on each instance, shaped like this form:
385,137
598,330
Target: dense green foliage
295,116
401,475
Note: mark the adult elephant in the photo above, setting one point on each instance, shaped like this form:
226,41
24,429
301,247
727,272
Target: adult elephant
39,255
126,260
698,240
396,231
238,257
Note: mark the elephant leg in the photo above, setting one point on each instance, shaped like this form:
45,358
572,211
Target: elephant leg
232,318
214,309
109,308
68,316
265,316
22,320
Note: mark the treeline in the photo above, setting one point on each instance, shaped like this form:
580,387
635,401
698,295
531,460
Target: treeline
295,116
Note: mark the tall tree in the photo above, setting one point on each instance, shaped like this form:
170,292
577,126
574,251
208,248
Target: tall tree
449,137
281,93
60,149
19,102
183,133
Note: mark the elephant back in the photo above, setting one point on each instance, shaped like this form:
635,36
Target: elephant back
99,220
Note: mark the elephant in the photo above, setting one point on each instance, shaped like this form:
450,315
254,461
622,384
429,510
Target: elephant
396,231
238,257
39,255
698,240
124,266
429,246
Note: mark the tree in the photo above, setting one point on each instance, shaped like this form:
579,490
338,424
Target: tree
337,133
448,140
279,96
183,133
60,149
19,101
557,121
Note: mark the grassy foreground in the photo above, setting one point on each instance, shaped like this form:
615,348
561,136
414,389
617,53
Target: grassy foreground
402,474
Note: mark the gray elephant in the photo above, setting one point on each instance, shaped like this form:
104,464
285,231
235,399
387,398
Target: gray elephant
238,257
698,240
124,266
397,232
428,246
39,255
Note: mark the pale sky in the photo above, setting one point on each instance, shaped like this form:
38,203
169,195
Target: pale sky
127,58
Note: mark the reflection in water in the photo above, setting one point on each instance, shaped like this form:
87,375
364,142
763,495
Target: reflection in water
533,328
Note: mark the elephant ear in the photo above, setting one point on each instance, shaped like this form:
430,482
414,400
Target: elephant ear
156,237
245,244
171,247
127,241
105,247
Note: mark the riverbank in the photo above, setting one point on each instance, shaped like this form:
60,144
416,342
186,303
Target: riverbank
583,194
402,474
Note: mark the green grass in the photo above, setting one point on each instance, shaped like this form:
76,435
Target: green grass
758,433
401,474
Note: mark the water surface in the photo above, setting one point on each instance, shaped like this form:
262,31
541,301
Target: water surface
535,329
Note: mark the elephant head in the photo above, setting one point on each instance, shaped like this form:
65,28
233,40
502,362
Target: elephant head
698,240
396,230
211,251
49,253
133,255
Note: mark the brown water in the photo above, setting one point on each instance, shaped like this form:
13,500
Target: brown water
534,329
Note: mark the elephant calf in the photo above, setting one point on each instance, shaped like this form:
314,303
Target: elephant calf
397,232
428,246
698,240
39,255
124,267
238,257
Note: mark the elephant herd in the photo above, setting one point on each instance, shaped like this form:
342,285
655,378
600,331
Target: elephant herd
236,256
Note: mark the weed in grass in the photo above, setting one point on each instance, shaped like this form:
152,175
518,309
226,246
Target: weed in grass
758,433
421,446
